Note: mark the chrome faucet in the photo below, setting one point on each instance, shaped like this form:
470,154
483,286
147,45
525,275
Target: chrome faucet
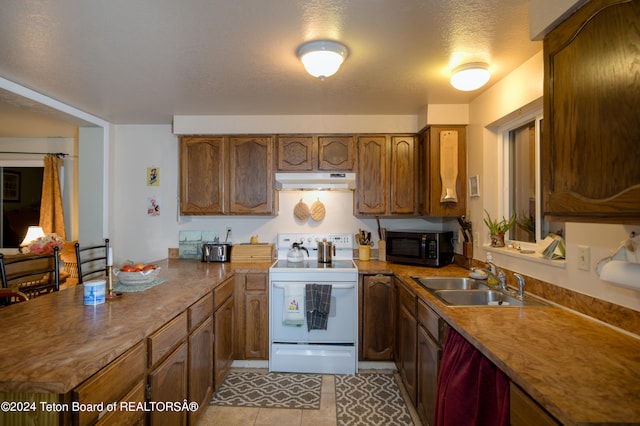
520,279
498,275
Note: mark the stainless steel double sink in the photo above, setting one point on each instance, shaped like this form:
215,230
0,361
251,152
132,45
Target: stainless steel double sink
459,291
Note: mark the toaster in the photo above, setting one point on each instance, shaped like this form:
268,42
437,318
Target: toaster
216,252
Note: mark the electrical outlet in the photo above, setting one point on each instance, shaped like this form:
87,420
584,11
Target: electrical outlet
584,257
476,239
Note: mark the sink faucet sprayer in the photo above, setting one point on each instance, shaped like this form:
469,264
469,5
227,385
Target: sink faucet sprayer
520,279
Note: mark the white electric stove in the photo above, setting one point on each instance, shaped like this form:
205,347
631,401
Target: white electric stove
294,348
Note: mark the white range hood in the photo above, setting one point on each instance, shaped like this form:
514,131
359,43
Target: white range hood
316,181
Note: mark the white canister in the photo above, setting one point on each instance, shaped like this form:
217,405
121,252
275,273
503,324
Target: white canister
94,292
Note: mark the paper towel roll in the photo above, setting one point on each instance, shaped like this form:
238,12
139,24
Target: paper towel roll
621,272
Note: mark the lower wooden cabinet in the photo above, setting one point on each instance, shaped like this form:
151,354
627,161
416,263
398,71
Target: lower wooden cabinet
201,367
527,412
431,333
132,417
407,340
378,318
168,383
223,331
252,316
114,383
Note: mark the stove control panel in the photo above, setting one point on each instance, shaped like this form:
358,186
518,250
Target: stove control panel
340,241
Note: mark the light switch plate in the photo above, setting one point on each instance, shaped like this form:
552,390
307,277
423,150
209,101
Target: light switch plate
584,257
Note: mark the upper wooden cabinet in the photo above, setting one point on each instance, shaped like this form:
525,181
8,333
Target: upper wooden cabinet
202,175
386,176
591,137
227,175
251,188
336,153
443,171
307,153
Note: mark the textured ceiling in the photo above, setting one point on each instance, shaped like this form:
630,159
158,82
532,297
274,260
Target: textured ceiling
144,61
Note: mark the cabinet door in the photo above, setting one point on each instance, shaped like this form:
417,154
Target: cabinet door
202,161
336,153
168,382
256,308
407,329
590,153
373,183
438,164
525,411
223,341
296,153
403,175
201,367
251,189
429,353
378,318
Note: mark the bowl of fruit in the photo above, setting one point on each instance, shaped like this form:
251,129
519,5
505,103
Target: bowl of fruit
137,273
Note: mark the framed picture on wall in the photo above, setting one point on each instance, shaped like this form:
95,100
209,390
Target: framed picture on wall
11,186
474,186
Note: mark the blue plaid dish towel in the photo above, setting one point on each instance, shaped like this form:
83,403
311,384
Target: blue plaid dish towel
318,304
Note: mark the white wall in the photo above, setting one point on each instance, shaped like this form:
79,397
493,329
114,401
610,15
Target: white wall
519,89
139,237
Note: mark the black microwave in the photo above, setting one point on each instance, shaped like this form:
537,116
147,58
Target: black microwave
434,249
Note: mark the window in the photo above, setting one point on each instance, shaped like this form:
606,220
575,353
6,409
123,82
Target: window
521,139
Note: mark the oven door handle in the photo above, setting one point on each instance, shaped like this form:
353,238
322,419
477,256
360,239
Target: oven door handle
333,286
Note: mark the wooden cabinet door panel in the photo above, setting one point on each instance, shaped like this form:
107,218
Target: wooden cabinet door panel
257,316
432,187
407,329
429,353
403,175
378,318
168,382
590,151
202,161
372,190
296,153
336,153
201,367
224,326
251,189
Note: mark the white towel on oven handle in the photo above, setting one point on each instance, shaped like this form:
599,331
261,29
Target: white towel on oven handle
293,305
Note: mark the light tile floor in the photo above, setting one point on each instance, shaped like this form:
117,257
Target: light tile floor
325,416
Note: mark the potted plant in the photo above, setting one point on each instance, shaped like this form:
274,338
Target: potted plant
497,228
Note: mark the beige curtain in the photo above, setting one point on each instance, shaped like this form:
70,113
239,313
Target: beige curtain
51,211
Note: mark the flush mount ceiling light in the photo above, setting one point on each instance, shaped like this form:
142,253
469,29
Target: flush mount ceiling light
322,58
470,76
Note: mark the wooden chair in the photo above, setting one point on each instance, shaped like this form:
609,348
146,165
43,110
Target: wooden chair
92,260
31,275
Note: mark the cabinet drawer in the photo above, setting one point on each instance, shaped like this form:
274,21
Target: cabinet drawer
112,383
407,299
222,293
164,340
131,417
256,282
432,322
200,311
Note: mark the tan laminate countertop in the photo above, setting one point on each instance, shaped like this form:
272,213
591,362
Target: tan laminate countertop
581,371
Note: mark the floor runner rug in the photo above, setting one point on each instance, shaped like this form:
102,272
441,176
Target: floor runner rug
270,390
370,399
